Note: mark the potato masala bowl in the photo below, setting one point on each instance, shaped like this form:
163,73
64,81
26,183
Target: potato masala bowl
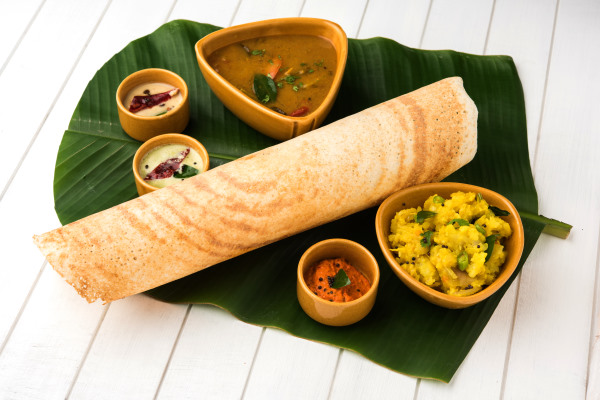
453,244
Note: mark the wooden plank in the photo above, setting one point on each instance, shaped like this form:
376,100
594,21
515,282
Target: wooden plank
480,375
212,358
18,250
15,19
447,27
527,40
359,378
131,349
32,191
552,330
257,10
348,15
593,384
46,347
290,368
402,21
219,13
55,41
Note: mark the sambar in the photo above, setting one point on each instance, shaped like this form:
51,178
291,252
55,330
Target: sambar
290,74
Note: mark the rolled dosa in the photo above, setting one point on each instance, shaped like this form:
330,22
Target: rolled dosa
321,176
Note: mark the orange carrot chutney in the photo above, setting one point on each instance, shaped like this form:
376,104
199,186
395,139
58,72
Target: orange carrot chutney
320,278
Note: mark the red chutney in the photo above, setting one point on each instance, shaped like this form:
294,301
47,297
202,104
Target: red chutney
319,277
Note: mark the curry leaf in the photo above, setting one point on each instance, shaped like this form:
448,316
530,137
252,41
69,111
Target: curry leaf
187,171
264,88
426,241
340,280
423,215
462,260
498,212
490,240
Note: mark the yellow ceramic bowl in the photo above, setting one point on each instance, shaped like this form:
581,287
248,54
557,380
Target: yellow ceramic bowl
416,196
259,117
144,128
333,313
169,138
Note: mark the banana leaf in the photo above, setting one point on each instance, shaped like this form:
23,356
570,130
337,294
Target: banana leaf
403,332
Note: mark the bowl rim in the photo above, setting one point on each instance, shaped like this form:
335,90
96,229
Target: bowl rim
345,243
178,138
341,56
147,71
492,197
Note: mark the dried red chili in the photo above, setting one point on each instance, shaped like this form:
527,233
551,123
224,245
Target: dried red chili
139,103
166,169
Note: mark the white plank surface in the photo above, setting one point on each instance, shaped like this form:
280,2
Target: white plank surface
348,16
447,27
44,352
213,357
14,23
402,21
551,339
304,369
358,378
44,66
19,256
137,335
512,23
537,345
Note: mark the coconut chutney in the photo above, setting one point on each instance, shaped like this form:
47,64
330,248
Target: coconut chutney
168,164
152,99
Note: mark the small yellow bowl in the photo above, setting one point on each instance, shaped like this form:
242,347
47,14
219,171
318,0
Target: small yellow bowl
334,313
168,138
261,118
416,196
144,128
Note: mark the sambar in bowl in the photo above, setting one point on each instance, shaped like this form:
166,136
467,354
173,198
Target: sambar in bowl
279,76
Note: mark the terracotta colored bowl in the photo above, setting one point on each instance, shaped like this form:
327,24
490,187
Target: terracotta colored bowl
261,118
335,313
169,138
416,196
144,128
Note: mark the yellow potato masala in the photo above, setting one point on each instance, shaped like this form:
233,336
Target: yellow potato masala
452,245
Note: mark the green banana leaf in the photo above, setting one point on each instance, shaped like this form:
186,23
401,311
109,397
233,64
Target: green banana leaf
403,332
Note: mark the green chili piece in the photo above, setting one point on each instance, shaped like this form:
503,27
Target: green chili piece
480,229
463,260
438,199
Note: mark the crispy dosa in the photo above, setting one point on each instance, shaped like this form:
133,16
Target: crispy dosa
321,176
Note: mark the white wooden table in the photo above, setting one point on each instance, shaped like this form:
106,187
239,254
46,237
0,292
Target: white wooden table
541,343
